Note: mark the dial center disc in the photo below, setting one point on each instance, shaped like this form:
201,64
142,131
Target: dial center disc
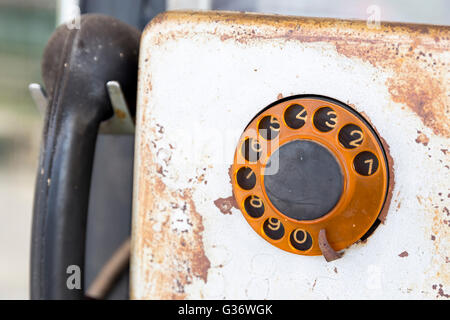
303,180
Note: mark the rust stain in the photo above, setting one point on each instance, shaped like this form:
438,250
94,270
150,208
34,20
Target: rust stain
390,162
327,251
419,81
440,233
445,209
230,173
387,203
440,291
161,128
201,178
422,138
169,257
413,53
226,204
279,96
159,170
201,264
181,254
403,254
423,95
419,199
120,114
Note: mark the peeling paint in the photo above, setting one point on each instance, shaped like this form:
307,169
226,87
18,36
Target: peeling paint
176,248
226,204
422,138
411,50
440,291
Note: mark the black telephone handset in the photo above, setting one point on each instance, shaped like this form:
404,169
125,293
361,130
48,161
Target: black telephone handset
76,65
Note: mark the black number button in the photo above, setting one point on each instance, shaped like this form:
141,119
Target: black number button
273,228
251,149
301,240
351,136
365,163
295,116
246,178
254,206
269,127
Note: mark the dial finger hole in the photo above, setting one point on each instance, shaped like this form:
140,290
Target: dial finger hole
325,119
254,206
251,149
300,240
295,116
246,178
273,228
351,136
365,163
269,127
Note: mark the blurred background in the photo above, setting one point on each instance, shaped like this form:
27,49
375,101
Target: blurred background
26,25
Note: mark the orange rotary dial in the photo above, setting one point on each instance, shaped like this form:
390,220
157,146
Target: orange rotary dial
306,164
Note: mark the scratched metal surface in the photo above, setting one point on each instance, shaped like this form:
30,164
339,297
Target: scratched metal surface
203,76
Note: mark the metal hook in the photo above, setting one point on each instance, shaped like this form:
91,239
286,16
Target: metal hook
121,122
39,97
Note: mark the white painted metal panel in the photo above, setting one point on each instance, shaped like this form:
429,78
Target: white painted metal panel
203,76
